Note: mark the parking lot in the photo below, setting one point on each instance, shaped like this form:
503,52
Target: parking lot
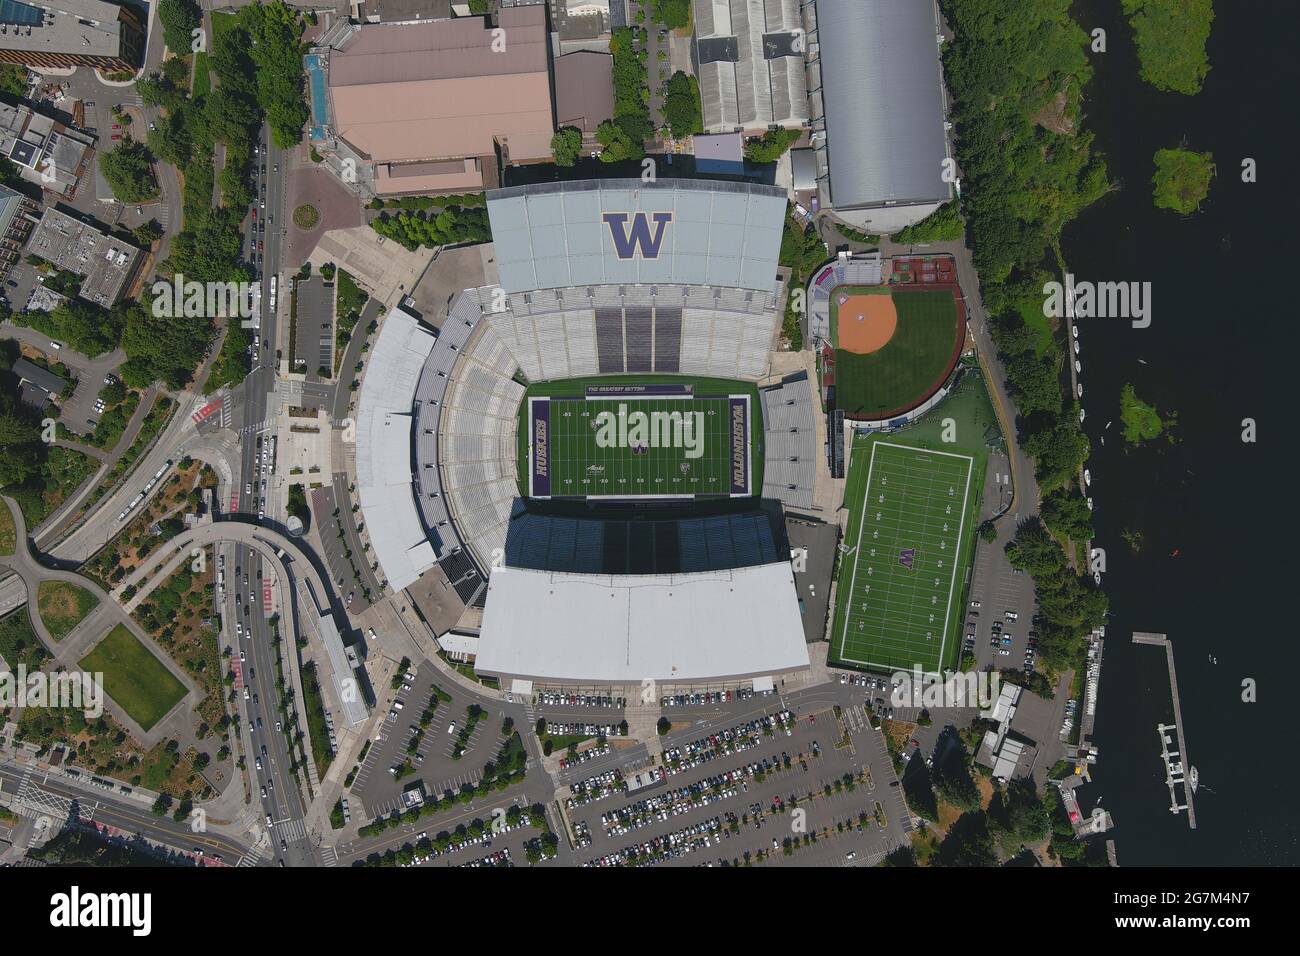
314,337
342,572
727,792
377,792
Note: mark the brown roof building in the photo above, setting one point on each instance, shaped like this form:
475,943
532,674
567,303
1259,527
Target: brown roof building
448,98
584,89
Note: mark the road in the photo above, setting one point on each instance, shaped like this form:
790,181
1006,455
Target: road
56,795
247,631
254,393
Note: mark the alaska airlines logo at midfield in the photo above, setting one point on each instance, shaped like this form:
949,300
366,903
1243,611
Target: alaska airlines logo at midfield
628,242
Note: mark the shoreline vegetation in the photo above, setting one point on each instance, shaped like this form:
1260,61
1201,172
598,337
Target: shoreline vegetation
1182,179
1170,36
1017,74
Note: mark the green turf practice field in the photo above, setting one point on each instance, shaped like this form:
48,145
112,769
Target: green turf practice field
664,441
905,557
913,363
136,680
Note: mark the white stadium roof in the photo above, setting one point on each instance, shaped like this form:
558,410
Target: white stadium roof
550,626
614,231
384,476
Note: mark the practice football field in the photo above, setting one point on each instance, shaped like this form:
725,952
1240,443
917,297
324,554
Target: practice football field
903,562
631,446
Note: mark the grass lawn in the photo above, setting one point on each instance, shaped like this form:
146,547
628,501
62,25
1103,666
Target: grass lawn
913,363
705,387
202,81
63,606
8,533
899,615
136,680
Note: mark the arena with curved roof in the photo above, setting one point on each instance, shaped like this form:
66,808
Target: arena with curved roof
667,288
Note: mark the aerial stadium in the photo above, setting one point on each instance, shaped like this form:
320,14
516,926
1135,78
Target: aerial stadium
593,447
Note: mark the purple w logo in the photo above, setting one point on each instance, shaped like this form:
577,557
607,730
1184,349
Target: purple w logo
627,242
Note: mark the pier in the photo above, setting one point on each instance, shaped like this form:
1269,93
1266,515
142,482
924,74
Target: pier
1173,750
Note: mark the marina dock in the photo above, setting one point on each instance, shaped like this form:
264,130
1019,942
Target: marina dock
1173,750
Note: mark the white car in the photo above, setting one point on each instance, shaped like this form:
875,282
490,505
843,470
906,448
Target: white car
1005,651
451,727
245,693
258,762
241,656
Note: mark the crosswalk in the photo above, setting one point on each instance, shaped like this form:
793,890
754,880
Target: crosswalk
252,858
291,830
329,856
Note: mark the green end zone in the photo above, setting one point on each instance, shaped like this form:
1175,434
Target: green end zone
640,440
905,556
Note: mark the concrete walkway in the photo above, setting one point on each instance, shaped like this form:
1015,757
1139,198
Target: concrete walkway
107,615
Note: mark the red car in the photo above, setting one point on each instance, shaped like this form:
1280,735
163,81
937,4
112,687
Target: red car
259,246
116,136
117,126
254,215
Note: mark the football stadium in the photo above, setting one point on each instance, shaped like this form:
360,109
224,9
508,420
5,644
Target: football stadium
592,448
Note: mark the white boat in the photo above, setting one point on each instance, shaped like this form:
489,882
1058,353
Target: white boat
1087,477
1078,366
1081,415
1075,330
1193,779
1081,390
1089,504
1076,346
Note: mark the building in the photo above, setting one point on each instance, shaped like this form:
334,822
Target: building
37,385
748,57
878,111
584,90
106,264
433,106
595,277
72,33
722,154
587,24
47,153
17,214
406,11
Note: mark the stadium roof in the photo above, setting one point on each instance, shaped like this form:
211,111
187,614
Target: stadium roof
558,235
883,96
549,626
438,89
384,474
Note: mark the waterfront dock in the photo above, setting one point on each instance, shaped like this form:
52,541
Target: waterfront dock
1173,750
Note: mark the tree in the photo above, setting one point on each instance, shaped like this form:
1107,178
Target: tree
943,225
1066,513
968,843
147,233
771,146
988,532
180,18
129,172
682,110
567,146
